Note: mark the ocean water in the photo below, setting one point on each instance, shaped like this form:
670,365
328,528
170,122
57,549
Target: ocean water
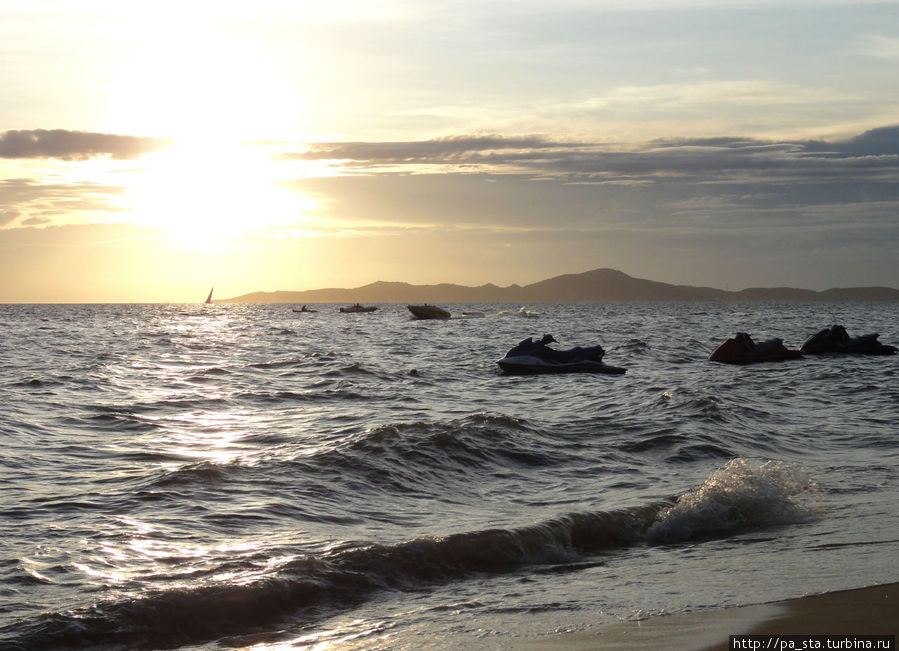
231,476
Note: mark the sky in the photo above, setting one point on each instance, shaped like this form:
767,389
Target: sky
150,151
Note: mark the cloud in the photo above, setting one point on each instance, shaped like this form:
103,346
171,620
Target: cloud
36,221
75,145
872,155
879,47
8,216
667,97
34,202
451,149
876,142
739,197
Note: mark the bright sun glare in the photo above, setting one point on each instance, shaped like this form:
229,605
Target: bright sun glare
210,91
202,192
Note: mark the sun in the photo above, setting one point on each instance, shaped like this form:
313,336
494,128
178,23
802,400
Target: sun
207,192
217,96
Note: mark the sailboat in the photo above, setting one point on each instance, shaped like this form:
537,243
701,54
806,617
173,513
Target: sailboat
209,298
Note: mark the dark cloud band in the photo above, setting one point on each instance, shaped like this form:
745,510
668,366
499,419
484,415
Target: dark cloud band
874,152
75,145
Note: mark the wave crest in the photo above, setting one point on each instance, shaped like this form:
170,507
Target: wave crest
741,495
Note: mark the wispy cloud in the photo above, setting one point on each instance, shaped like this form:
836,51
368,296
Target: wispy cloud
878,46
8,216
447,150
874,154
708,92
75,145
33,202
747,196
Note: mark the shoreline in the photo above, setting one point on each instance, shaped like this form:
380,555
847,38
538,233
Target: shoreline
873,610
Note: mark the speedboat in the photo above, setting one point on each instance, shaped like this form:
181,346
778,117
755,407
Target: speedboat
357,309
741,349
835,339
304,310
530,357
428,312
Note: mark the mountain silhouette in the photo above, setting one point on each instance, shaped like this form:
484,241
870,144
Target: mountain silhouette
599,285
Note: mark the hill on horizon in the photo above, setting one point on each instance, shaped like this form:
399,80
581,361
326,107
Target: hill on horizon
598,285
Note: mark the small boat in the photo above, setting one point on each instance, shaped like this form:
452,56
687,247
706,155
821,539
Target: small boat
209,298
428,312
304,310
530,357
741,349
357,309
835,339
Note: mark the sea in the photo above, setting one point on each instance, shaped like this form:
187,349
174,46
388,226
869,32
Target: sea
247,476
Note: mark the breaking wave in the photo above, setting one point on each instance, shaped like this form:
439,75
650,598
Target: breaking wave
743,495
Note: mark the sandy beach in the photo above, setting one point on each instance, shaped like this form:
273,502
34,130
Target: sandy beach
865,611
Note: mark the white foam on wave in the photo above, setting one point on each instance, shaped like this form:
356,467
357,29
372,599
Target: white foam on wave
741,495
520,312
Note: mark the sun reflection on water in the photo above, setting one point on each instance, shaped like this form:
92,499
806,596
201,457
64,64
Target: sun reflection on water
354,634
136,552
211,436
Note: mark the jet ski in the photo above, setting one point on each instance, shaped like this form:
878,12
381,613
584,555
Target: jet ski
835,339
741,349
531,356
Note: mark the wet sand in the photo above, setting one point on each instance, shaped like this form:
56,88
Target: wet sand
865,611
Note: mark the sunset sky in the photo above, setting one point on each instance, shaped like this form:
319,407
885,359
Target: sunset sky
151,150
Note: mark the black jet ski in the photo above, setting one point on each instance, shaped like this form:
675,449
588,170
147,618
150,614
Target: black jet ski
531,356
741,349
835,339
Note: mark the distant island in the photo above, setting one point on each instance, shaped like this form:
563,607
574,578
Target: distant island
597,286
